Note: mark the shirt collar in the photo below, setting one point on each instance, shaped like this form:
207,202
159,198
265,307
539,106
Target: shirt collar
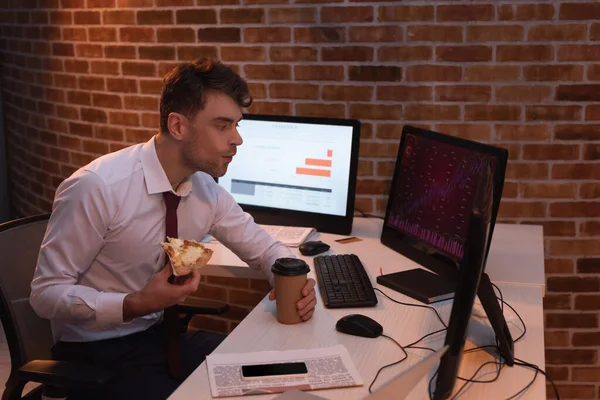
154,174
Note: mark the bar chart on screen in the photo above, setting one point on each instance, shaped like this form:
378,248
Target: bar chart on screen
291,166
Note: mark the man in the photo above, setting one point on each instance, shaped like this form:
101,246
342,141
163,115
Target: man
101,276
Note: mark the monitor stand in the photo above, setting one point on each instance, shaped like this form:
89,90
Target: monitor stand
488,300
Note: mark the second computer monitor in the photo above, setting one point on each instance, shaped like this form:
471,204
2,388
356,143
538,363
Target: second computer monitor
296,171
432,194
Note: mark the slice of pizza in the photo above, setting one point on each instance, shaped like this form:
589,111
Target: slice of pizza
185,255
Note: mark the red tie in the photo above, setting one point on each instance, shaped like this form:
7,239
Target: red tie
171,318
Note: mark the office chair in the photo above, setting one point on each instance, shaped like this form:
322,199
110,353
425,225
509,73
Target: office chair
29,337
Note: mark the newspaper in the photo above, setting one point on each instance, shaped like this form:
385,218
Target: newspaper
329,367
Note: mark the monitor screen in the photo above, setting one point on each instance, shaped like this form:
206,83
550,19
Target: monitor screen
294,170
432,194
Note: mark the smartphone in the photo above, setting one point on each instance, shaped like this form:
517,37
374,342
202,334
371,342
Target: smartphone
262,371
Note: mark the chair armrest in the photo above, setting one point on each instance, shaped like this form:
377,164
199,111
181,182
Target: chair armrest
63,373
195,305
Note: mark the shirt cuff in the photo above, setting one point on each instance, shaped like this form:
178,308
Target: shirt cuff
109,309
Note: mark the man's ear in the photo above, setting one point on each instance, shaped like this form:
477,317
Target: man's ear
177,125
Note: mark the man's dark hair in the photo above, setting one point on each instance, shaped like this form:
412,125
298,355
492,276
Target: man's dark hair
185,88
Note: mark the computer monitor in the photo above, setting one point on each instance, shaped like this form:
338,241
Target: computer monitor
296,171
467,285
432,192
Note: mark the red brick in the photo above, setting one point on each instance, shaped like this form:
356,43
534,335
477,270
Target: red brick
555,228
374,73
404,53
318,35
491,73
593,73
404,93
434,33
219,35
170,35
67,112
292,15
155,17
136,34
102,34
138,135
478,132
586,339
589,302
108,133
156,52
151,86
243,297
524,53
522,132
525,12
552,113
492,113
579,52
79,98
375,34
580,11
346,14
483,12
463,93
374,111
100,3
63,49
74,34
243,53
553,73
121,85
585,374
189,53
591,152
578,320
138,68
297,53
495,33
347,53
347,93
271,107
264,35
553,32
119,51
77,66
93,115
585,92
558,266
439,73
579,247
319,72
257,90
118,17
89,50
515,209
124,118
372,186
550,152
574,171
546,190
107,100
61,18
242,16
556,338
592,113
427,112
575,209
557,374
557,302
595,31
589,190
180,3
150,120
141,103
406,13
321,110
80,129
463,53
293,91
271,72
513,93
135,3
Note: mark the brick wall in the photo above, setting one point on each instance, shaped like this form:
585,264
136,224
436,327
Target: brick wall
82,78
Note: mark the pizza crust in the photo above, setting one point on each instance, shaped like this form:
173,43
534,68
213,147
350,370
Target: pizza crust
185,255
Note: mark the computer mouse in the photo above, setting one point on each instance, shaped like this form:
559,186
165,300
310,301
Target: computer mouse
313,247
359,325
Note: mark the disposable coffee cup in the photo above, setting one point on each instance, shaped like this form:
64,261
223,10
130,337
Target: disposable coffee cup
290,277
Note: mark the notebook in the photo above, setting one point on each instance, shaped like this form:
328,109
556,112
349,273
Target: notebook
419,284
398,388
291,236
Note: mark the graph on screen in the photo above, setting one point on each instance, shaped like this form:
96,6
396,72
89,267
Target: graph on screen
434,192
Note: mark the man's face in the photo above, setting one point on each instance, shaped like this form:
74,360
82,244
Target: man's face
212,136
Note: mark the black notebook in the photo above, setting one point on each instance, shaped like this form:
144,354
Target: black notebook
420,285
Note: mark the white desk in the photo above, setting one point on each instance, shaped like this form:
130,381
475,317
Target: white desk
516,255
260,331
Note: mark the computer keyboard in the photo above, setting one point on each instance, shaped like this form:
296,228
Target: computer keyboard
343,281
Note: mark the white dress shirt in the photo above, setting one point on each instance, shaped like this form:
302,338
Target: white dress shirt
103,237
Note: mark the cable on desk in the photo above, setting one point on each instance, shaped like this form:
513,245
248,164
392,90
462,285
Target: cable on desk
538,369
501,297
429,334
414,305
389,365
365,215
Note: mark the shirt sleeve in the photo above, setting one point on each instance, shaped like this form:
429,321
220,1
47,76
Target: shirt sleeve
238,231
74,237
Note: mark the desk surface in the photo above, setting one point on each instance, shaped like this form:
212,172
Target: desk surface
514,249
516,255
